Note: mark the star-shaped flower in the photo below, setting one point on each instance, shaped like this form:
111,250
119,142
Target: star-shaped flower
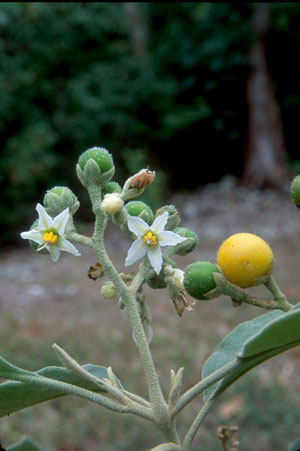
150,239
49,233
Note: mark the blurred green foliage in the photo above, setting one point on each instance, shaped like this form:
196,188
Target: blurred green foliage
70,79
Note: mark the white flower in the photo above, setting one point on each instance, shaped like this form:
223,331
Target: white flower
50,233
150,239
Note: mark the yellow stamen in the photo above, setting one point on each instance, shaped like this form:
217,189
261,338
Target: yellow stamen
150,239
50,238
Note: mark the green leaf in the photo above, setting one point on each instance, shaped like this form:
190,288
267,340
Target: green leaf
251,343
15,396
9,371
25,444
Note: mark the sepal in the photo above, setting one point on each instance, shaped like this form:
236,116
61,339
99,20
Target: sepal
220,286
264,279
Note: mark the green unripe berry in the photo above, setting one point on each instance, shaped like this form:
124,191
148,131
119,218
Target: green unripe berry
139,208
100,156
112,187
198,279
295,190
186,248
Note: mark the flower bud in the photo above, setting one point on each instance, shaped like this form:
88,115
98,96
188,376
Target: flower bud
189,245
295,191
58,199
140,209
112,187
174,216
199,280
112,203
136,184
95,167
108,290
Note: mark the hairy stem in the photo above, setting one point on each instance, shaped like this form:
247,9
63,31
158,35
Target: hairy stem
157,400
278,294
97,398
271,304
80,239
140,277
137,398
187,443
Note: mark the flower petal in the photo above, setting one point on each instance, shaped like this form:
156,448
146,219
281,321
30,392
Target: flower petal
65,245
160,222
45,221
33,235
155,257
170,238
137,250
60,221
54,251
137,225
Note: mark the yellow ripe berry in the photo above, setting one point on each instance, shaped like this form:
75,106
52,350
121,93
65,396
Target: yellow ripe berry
245,258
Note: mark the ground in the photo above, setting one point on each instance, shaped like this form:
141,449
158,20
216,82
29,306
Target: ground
42,302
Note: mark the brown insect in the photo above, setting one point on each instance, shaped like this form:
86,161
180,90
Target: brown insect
142,179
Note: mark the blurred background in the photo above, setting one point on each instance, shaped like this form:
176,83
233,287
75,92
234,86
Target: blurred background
193,90
207,95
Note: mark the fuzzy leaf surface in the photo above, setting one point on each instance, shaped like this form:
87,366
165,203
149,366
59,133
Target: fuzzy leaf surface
16,396
251,343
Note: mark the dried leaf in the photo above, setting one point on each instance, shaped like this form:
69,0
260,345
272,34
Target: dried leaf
96,271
